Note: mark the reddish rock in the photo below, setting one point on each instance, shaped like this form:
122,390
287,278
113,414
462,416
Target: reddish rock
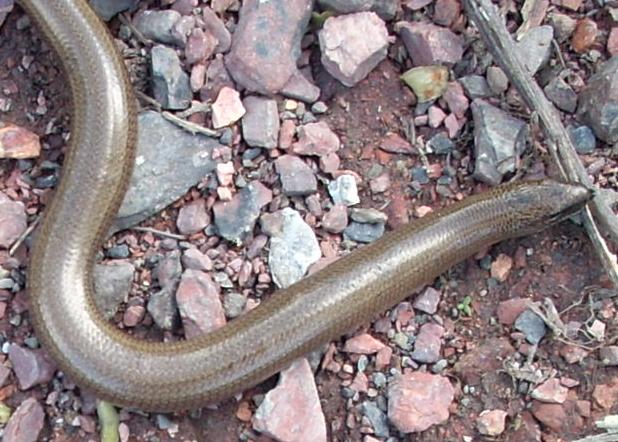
291,411
383,358
428,301
380,184
394,143
609,355
194,259
316,139
225,173
217,28
199,304
573,354
435,116
32,367
330,163
133,315
397,212
26,423
336,219
5,373
286,134
446,12
18,143
200,46
13,220
551,392
573,5
478,362
415,5
456,99
192,217
360,382
430,45
491,422
552,416
227,108
584,36
428,344
417,401
363,344
501,267
508,311
605,395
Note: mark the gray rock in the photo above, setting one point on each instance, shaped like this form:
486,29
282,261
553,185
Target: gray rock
428,44
367,215
343,190
106,9
119,251
163,150
609,355
260,125
583,139
428,344
377,418
32,367
168,270
352,45
497,80
196,260
170,83
598,102
158,25
361,232
297,178
235,219
26,423
233,304
428,301
499,139
347,6
476,86
256,63
441,144
112,283
531,325
561,94
301,88
563,25
163,308
216,26
192,217
535,47
292,249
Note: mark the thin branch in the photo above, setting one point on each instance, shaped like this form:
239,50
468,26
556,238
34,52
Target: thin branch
24,235
189,126
160,233
498,41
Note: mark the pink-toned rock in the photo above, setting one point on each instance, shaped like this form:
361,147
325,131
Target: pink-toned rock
360,382
573,5
394,143
336,219
612,41
456,99
291,412
427,301
397,212
13,220
5,373
286,134
551,392
552,416
197,77
192,217
363,344
430,45
200,46
352,45
453,125
133,315
428,344
383,357
380,184
436,116
417,401
316,139
18,143
32,367
227,109
26,423
489,356
491,422
225,173
573,354
217,77
194,259
330,163
501,267
415,5
508,311
199,304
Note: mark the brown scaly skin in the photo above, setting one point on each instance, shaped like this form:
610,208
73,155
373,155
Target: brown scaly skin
321,307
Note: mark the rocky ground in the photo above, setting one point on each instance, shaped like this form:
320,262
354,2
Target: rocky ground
275,138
